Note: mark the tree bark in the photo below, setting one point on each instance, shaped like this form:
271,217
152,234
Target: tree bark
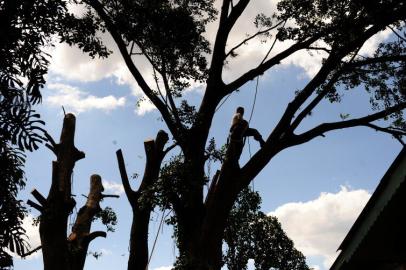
80,237
58,251
141,206
59,203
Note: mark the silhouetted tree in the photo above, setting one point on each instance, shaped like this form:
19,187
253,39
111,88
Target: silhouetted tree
250,234
169,34
27,28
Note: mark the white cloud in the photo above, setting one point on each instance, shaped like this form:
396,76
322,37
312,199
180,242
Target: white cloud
113,187
33,238
317,227
77,101
164,268
70,63
106,252
144,106
371,44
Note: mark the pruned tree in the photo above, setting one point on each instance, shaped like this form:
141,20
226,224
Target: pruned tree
60,251
27,28
169,34
251,234
142,200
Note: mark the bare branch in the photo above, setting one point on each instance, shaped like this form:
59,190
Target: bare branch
94,235
381,59
309,108
110,196
250,75
170,98
98,7
124,177
35,205
252,37
169,148
315,48
396,33
389,130
363,121
31,252
40,198
226,23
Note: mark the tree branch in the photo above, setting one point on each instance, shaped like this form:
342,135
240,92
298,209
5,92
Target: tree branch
363,121
40,198
252,37
169,148
226,23
315,48
396,33
35,205
250,75
31,252
98,7
396,133
170,97
368,61
124,177
309,108
93,235
110,196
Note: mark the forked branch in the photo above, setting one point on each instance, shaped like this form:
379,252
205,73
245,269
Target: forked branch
363,121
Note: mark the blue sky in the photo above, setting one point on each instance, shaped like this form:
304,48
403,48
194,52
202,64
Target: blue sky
316,189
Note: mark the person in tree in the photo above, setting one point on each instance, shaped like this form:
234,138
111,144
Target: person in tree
240,128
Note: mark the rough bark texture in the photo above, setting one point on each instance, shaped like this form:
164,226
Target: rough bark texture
59,251
59,203
81,236
154,150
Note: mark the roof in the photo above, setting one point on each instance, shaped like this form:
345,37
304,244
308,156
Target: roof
370,223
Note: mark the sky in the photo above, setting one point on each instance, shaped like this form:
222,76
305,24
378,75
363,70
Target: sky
316,190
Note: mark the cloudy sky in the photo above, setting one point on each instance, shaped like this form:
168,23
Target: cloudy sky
316,190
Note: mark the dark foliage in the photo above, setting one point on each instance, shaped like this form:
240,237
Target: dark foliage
11,209
108,218
250,234
27,29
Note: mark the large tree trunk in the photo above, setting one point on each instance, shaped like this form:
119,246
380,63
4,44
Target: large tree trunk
59,203
154,150
202,224
59,251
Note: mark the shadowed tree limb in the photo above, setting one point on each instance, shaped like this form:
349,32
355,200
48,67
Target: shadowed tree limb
31,252
375,60
251,74
141,200
362,121
98,7
80,237
59,203
396,133
232,50
124,177
35,205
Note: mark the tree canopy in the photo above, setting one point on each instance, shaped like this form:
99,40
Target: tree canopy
170,36
251,234
27,29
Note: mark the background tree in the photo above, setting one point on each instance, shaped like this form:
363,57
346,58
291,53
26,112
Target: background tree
169,34
251,234
27,29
